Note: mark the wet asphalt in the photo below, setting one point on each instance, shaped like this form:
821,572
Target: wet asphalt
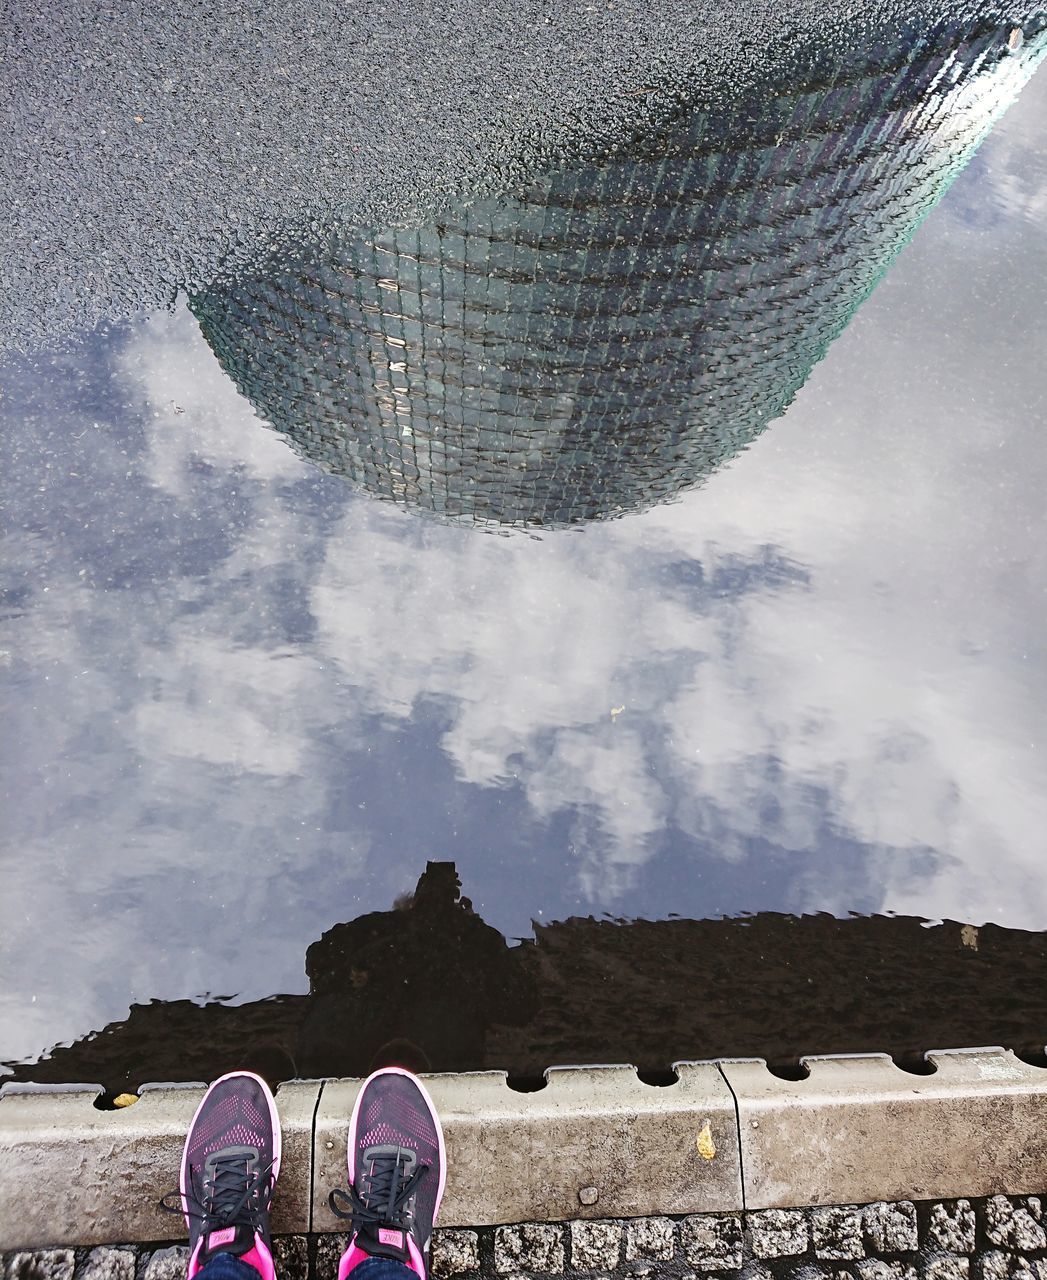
146,148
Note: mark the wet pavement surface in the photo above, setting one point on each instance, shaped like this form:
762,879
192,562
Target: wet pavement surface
524,476
146,150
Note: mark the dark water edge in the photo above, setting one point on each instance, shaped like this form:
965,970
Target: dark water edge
429,983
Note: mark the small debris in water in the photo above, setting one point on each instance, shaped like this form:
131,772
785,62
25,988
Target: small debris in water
617,711
1016,39
969,936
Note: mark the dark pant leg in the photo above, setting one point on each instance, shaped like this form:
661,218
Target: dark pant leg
226,1266
381,1269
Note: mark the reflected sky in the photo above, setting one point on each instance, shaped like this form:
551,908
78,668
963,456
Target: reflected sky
245,702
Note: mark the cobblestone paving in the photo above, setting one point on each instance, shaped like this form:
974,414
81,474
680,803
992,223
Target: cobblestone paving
1002,1238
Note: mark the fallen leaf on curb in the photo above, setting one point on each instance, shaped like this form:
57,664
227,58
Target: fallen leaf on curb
704,1142
125,1099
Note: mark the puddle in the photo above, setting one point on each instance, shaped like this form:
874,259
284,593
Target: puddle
429,984
655,534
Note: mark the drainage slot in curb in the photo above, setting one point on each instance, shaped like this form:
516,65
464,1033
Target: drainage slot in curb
1034,1054
914,1063
526,1084
115,1101
660,1077
788,1069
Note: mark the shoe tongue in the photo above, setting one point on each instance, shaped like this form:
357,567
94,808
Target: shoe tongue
235,1240
384,1242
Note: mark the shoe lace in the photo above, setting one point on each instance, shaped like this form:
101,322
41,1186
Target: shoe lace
229,1198
384,1195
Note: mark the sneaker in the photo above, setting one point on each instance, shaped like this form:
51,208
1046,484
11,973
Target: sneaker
229,1169
397,1170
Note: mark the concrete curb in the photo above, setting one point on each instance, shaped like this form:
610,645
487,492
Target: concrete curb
570,1150
860,1129
594,1143
117,1164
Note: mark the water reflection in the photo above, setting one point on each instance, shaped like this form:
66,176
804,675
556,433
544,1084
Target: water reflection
614,332
246,701
428,984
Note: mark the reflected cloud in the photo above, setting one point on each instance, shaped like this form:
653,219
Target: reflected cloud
197,416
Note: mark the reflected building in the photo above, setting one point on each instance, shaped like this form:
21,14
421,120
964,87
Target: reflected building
430,985
608,334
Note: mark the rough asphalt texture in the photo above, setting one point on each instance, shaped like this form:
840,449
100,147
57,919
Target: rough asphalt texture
143,148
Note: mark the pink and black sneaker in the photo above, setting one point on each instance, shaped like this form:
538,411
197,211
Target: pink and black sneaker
397,1170
229,1169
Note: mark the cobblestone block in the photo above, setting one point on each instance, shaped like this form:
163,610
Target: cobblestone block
808,1271
291,1256
167,1264
455,1252
996,1265
329,1248
712,1242
1015,1224
837,1233
851,1242
105,1263
891,1228
649,1238
944,1267
779,1233
595,1246
877,1269
533,1246
952,1227
993,1265
41,1264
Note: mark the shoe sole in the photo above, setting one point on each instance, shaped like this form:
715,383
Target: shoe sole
351,1142
274,1119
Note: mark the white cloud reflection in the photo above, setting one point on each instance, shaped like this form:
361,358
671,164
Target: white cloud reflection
197,414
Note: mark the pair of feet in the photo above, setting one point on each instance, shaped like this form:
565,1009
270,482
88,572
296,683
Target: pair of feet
395,1157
